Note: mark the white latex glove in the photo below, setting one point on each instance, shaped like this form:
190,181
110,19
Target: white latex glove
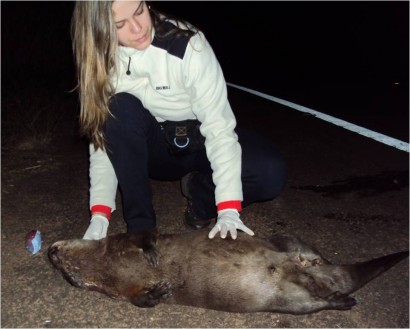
97,229
228,220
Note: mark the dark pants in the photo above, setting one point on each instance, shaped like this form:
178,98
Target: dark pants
138,151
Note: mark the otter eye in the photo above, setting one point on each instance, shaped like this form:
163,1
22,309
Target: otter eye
271,269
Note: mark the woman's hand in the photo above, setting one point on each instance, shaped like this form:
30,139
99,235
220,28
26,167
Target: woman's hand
229,221
97,229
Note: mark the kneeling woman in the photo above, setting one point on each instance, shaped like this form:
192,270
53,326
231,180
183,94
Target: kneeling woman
154,105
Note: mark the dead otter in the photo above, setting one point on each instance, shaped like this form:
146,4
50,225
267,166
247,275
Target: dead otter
280,274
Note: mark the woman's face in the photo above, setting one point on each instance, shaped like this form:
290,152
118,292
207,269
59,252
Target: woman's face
133,23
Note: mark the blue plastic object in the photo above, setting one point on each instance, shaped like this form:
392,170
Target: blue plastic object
33,241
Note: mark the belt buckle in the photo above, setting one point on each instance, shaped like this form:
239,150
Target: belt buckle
180,131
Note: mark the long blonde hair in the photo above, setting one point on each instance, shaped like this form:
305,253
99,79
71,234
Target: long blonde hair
95,43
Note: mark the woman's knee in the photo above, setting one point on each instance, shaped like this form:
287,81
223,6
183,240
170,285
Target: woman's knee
125,107
128,115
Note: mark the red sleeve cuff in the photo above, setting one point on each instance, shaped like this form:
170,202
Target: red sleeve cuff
234,204
103,209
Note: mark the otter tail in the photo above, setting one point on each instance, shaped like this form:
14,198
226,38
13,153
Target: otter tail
362,273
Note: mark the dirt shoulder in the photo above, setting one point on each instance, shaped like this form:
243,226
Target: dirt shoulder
346,195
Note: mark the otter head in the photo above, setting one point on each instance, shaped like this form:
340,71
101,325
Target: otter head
77,260
119,266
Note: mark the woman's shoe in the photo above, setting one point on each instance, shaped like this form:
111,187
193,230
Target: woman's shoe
191,220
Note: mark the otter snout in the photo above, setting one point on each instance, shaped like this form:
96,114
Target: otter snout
54,253
66,262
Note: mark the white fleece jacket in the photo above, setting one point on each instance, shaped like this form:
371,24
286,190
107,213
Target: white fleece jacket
175,81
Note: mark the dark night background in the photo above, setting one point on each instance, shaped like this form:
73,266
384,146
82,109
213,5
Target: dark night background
345,195
347,59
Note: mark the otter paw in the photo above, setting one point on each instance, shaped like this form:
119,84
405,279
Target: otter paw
152,256
341,301
153,295
146,240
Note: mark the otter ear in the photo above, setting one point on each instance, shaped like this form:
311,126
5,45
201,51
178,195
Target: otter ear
146,240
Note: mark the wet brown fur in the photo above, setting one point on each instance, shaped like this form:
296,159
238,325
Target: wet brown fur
279,274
